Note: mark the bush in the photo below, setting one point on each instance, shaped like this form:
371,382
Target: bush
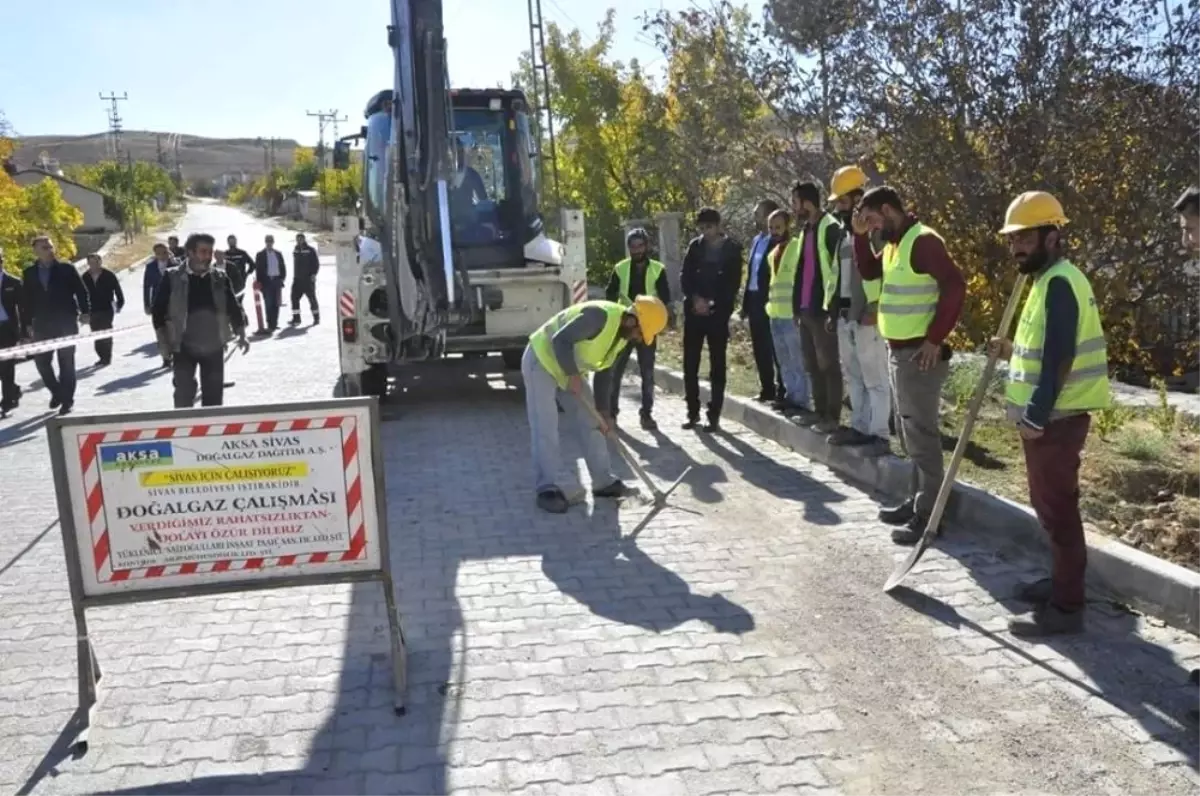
965,373
1111,420
1142,444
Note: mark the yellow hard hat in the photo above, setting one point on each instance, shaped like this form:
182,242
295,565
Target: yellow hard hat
845,180
651,315
1031,210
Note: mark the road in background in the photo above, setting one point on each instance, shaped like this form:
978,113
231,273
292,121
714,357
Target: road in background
744,649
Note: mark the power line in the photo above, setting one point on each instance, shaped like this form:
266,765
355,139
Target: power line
114,122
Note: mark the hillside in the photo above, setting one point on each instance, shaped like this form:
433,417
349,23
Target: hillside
199,158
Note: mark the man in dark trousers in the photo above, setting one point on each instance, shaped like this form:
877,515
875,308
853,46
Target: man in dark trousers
816,281
195,317
754,308
153,276
238,265
106,298
305,266
711,280
56,303
635,276
270,271
11,324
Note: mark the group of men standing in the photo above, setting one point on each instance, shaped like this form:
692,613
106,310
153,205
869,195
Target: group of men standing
863,295
52,299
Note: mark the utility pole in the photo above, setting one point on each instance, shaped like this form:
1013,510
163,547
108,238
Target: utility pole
541,95
114,121
323,118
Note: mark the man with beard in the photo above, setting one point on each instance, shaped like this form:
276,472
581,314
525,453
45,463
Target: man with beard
1057,374
634,276
816,281
754,307
853,311
177,251
782,260
921,298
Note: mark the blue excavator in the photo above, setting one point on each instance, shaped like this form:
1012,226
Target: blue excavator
448,252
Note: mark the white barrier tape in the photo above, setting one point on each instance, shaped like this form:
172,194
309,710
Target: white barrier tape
55,343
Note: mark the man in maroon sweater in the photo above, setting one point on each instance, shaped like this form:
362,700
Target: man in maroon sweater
920,301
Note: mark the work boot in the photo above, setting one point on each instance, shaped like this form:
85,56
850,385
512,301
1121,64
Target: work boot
691,423
55,402
825,426
913,530
897,515
553,500
874,447
648,423
765,397
844,437
295,321
1036,593
713,424
1048,620
801,416
617,489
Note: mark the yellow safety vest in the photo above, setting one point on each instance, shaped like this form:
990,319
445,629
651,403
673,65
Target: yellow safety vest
1086,386
598,353
907,300
783,279
827,259
654,270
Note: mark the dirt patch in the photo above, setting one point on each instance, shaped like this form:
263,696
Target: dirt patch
1140,479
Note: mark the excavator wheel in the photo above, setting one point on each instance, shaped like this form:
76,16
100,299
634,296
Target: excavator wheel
375,381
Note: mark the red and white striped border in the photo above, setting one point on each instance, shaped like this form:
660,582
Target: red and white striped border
90,465
579,292
346,303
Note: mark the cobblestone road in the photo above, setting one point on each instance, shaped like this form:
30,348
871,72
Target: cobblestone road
743,649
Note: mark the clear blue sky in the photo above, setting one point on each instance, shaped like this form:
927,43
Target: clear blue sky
249,68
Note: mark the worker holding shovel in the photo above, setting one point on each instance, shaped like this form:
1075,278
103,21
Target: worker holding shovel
584,338
1057,374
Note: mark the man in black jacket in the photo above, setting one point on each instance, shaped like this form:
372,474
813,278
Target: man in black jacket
11,314
711,279
305,266
56,303
177,251
270,271
238,265
105,298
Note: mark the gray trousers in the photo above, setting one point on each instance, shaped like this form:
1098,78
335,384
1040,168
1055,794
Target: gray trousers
823,365
645,358
918,396
542,399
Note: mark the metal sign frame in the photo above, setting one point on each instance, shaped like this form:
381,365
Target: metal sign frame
88,668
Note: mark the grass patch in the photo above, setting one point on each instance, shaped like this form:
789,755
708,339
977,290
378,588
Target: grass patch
1140,476
126,254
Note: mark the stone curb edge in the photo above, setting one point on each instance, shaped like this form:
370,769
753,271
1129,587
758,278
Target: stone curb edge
1148,584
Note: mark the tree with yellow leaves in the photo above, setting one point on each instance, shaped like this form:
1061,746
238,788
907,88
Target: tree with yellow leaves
37,209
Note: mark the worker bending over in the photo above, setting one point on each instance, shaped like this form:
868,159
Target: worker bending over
636,275
583,338
921,297
1057,374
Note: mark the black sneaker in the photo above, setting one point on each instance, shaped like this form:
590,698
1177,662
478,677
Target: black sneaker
66,408
912,531
1036,593
617,489
844,437
713,424
802,417
553,501
55,402
295,321
690,423
316,320
648,422
765,397
897,515
1048,620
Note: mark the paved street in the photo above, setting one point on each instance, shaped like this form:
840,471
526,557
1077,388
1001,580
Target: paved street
744,648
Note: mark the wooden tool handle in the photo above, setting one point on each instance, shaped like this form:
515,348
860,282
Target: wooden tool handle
626,454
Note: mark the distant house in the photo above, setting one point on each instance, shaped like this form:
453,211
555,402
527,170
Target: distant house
89,201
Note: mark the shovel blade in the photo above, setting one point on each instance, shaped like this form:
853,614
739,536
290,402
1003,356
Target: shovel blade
906,566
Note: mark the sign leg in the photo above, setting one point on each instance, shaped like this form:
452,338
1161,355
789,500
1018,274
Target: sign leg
89,673
399,654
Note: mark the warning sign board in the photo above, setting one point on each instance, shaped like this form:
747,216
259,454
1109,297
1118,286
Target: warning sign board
223,498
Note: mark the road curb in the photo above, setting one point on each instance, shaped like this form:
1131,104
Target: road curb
1151,585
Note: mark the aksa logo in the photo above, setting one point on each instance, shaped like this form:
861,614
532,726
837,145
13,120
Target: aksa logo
133,455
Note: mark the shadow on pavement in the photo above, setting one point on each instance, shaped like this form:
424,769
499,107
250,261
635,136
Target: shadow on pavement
147,350
140,379
22,430
25,550
1129,674
777,479
666,460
